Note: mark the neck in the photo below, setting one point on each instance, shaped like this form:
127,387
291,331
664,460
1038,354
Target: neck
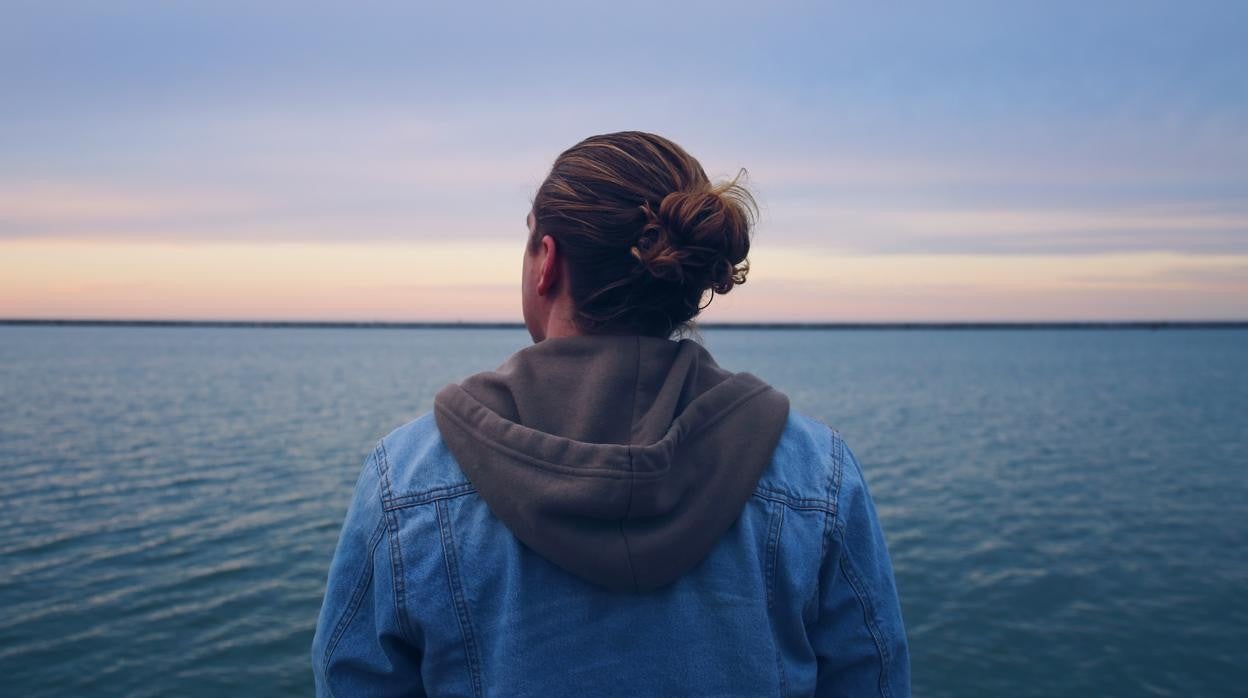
559,322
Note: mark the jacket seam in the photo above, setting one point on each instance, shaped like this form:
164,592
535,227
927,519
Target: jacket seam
357,596
397,573
773,537
773,549
829,515
610,472
403,501
868,613
800,504
451,561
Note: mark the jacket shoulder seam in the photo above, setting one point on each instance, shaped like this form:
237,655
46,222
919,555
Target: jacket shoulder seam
833,489
392,499
397,574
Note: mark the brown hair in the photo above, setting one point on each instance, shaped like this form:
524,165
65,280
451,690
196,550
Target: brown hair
644,231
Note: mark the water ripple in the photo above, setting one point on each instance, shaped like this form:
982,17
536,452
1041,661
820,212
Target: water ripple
1064,509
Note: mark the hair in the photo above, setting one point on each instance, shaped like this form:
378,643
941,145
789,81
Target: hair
645,233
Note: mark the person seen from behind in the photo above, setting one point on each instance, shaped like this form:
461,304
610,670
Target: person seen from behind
610,511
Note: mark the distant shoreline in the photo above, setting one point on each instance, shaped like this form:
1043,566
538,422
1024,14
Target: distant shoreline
292,324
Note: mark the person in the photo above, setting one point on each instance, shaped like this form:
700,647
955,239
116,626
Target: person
610,512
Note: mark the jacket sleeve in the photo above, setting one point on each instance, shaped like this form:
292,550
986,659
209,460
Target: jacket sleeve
858,637
359,647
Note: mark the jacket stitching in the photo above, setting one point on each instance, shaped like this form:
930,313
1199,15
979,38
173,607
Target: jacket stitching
855,582
357,596
773,540
397,574
800,504
820,501
424,497
868,613
834,495
383,469
461,606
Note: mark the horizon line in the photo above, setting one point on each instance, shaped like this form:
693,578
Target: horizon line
487,325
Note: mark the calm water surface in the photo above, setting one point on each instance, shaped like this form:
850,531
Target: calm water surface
1067,510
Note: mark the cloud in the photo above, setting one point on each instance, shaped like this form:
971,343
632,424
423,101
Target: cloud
56,207
992,231
480,280
952,139
437,200
1230,276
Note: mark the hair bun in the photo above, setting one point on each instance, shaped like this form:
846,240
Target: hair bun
698,237
686,237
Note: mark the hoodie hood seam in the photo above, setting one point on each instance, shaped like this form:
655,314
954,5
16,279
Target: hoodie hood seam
632,480
614,471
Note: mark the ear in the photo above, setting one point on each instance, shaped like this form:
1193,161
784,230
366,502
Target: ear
551,261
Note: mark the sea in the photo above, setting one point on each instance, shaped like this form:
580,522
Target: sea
1066,509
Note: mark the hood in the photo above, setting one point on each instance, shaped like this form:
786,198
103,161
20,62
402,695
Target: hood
620,458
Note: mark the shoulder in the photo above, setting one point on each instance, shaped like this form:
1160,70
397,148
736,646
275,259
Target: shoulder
808,466
416,466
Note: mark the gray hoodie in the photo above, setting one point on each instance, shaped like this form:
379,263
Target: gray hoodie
621,458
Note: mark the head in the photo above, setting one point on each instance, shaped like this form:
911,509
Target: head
627,235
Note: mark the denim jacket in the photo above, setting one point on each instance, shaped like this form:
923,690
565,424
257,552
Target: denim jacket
430,594
611,515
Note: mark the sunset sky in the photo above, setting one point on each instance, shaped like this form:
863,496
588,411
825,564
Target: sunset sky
375,161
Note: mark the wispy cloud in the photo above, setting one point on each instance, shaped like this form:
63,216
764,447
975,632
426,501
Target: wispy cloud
990,231
430,280
925,146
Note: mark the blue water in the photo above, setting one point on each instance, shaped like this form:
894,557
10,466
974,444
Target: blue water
1067,510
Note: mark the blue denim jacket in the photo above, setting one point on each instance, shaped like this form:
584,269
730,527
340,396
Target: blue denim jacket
430,594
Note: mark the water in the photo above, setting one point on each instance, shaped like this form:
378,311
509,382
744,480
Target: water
1067,510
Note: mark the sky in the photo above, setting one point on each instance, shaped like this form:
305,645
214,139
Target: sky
375,161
